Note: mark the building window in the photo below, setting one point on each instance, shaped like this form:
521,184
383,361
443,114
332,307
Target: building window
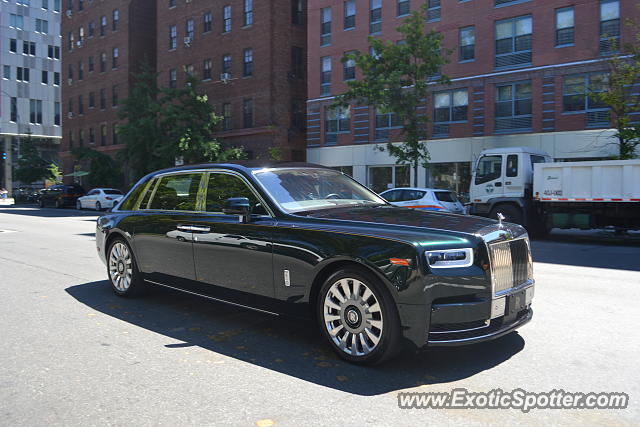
349,66
91,28
226,19
91,65
248,12
450,106
115,20
513,42
80,36
403,7
114,58
247,65
103,62
325,76
103,99
35,110
297,62
580,91
80,4
92,136
247,113
81,137
381,178
298,114
189,71
325,26
29,48
56,78
206,70
172,3
226,116
385,120
56,114
375,16
92,100
349,14
609,26
80,105
207,22
297,12
513,107
6,73
103,25
103,134
173,78
70,139
51,52
45,77
70,72
13,45
70,39
56,5
114,95
14,109
467,43
336,120
114,134
173,37
80,71
564,26
226,64
189,29
45,4
22,74
16,21
42,26
434,10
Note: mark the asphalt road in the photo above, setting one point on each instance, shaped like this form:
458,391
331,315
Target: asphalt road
72,353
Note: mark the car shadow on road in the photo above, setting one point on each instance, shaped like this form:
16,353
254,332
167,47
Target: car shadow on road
287,345
33,210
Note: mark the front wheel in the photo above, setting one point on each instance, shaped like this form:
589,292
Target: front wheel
78,205
358,317
98,206
122,269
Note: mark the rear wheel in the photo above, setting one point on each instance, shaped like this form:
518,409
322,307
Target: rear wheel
511,213
358,317
122,269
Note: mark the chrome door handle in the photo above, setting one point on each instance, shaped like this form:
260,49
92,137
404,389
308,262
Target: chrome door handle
197,228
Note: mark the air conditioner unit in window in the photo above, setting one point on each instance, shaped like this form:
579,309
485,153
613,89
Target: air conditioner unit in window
70,81
70,115
69,13
187,41
225,77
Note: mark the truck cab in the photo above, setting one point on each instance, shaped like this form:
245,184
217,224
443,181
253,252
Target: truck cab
502,182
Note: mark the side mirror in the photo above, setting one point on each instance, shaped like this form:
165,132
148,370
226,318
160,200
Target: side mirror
238,206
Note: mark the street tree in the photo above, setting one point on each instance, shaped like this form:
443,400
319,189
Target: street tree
622,97
104,171
31,166
396,78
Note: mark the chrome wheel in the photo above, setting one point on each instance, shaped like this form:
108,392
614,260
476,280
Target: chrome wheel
120,267
353,317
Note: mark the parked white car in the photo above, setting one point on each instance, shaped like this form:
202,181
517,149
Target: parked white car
99,198
428,199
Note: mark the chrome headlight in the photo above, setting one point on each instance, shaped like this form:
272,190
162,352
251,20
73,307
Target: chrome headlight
450,258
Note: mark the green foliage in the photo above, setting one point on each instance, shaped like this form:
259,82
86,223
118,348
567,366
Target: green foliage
56,172
622,97
104,171
31,166
162,124
397,78
275,153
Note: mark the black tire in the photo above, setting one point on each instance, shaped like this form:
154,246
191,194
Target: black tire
511,213
78,205
137,285
98,206
389,335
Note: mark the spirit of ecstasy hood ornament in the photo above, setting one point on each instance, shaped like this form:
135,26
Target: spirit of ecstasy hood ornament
500,219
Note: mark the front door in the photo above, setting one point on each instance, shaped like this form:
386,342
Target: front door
489,178
163,236
233,258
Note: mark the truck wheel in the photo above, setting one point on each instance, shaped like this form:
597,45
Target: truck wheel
358,317
510,212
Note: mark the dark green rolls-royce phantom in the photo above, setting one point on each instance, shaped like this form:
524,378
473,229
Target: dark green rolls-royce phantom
304,240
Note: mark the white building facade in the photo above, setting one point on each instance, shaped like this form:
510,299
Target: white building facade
31,77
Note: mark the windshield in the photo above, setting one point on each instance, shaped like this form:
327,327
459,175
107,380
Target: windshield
298,190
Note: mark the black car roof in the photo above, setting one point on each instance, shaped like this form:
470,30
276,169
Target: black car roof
243,166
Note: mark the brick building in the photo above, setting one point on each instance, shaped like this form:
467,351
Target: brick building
103,43
250,56
521,72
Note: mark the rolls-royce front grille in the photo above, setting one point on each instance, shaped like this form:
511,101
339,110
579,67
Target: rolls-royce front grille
510,264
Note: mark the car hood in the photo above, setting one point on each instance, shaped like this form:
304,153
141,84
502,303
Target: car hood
408,224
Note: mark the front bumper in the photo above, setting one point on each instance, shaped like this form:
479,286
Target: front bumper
473,333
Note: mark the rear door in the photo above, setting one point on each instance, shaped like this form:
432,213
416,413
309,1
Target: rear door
162,235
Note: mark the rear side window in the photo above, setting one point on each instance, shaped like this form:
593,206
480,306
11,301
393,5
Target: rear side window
223,186
412,195
176,192
130,202
446,196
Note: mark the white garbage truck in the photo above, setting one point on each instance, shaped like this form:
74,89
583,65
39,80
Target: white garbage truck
527,187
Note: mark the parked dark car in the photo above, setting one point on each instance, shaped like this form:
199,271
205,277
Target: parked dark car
61,195
304,240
